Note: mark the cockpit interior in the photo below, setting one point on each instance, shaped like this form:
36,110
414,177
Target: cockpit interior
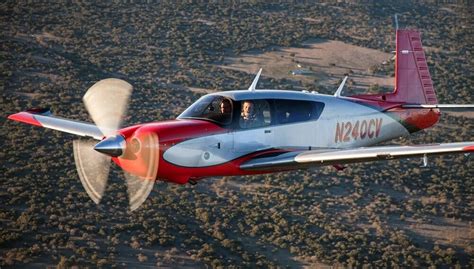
252,113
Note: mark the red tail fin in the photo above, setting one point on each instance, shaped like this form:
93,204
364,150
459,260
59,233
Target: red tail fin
413,82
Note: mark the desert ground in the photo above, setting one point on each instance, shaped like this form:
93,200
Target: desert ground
371,215
326,61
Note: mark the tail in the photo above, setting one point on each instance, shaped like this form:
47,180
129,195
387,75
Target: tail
413,84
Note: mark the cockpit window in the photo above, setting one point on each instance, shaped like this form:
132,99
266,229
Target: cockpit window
213,108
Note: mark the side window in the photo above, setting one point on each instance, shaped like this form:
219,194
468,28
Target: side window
217,109
254,114
220,110
291,111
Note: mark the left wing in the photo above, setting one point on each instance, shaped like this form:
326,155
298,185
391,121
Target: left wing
44,118
305,159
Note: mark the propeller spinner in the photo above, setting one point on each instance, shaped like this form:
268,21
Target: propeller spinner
113,146
107,103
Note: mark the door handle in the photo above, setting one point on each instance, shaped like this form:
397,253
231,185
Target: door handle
268,131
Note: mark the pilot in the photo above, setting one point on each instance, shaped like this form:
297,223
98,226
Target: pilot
224,114
225,106
248,117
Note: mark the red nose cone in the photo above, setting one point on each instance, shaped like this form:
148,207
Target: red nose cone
141,156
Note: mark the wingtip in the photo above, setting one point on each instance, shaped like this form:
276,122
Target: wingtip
468,148
25,117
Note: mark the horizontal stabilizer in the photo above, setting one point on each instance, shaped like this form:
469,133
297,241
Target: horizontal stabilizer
43,118
452,106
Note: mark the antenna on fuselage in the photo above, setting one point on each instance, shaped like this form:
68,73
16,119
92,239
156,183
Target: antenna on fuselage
341,86
255,81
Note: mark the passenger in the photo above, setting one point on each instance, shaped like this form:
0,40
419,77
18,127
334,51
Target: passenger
248,117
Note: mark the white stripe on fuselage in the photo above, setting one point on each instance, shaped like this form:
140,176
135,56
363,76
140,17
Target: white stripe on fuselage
342,124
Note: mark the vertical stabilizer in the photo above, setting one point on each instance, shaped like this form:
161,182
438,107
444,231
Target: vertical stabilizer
413,82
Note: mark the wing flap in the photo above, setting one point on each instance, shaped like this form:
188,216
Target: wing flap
44,119
304,159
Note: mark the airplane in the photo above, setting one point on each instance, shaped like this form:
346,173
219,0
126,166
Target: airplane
246,132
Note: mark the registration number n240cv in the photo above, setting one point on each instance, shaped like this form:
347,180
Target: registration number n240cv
360,129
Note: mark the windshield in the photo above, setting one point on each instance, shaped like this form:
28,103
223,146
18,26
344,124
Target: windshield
217,109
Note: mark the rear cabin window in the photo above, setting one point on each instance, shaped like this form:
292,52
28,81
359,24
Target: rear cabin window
291,111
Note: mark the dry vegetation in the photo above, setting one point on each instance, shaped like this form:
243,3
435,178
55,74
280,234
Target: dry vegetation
379,214
325,63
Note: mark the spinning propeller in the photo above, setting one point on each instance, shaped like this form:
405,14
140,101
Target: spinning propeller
107,102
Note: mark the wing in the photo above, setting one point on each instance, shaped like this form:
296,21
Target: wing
309,158
43,118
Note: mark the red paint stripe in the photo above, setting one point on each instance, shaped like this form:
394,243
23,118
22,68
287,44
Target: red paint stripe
468,148
25,117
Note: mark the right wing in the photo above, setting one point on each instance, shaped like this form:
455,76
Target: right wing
309,158
43,118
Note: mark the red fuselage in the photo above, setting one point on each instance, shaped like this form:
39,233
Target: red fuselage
171,133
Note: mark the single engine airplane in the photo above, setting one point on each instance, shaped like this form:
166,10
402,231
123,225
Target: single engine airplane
252,131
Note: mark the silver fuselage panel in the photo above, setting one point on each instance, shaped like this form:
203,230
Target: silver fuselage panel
342,124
